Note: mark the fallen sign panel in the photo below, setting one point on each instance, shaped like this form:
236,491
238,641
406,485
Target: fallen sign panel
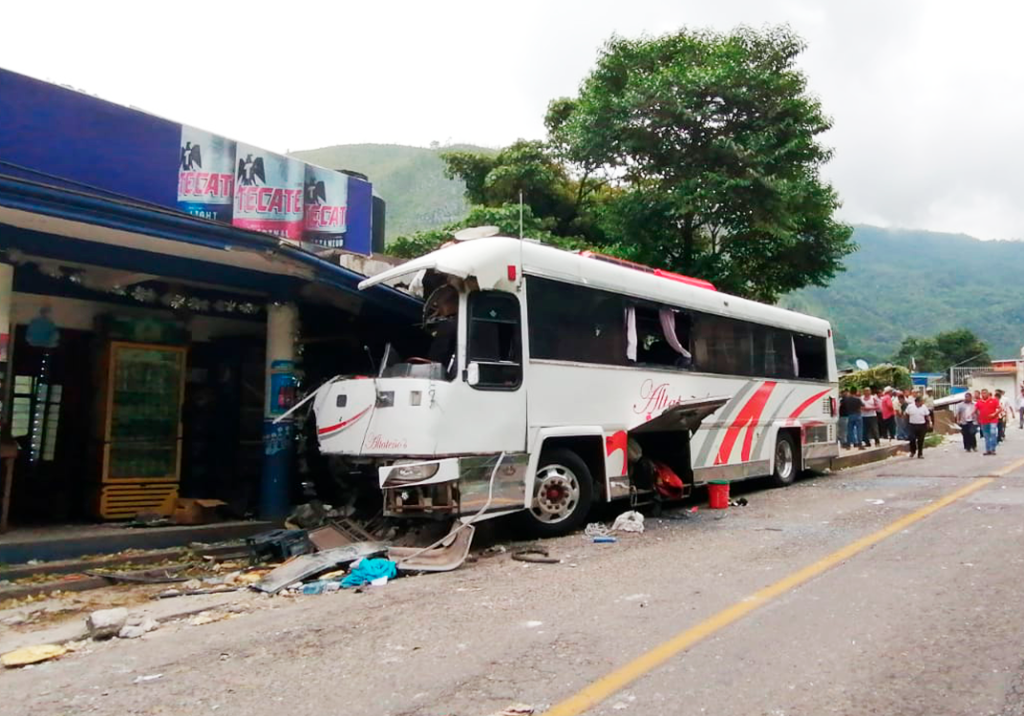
309,565
449,555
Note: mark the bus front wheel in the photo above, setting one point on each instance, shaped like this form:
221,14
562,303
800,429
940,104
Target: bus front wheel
785,460
563,493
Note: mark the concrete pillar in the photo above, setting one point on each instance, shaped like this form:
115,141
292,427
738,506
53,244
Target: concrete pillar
278,439
6,339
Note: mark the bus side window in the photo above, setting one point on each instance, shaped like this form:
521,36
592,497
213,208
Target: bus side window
495,339
662,337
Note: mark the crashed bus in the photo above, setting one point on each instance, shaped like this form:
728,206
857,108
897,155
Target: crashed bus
555,380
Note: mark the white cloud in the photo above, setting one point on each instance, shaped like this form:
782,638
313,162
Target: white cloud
925,95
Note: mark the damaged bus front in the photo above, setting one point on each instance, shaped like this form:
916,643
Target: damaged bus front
434,428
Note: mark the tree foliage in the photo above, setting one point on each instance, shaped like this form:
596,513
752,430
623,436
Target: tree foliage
880,376
711,141
696,152
942,351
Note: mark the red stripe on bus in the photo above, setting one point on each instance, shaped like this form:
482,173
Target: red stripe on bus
748,416
343,424
803,406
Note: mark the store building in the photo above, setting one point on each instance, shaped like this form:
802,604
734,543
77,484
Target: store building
164,292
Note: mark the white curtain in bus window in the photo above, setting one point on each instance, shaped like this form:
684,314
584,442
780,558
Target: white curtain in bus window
631,333
667,316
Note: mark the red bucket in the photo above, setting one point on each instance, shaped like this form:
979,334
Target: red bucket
718,495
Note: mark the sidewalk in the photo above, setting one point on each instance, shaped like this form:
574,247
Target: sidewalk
852,457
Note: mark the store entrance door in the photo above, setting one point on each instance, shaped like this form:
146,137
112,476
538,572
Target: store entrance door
50,410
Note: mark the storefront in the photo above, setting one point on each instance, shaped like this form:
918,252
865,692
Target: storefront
164,293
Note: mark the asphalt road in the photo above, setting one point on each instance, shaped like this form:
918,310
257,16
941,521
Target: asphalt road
927,621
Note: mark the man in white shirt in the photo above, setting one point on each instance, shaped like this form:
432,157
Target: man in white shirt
967,418
1007,405
919,417
870,405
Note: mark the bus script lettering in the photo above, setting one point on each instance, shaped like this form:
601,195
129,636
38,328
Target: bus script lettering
654,398
379,442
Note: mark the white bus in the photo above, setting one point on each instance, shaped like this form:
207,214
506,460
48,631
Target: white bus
587,377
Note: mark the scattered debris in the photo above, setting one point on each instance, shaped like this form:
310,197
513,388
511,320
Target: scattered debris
106,623
321,586
596,529
494,550
739,502
278,545
310,565
540,555
444,555
375,572
876,502
607,539
514,710
208,618
32,655
152,576
631,521
143,679
169,593
134,631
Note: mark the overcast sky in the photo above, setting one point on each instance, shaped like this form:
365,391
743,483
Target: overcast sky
926,96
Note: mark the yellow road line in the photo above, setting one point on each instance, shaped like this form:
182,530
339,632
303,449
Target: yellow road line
607,685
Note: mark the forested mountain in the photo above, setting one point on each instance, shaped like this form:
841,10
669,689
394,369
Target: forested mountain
903,282
899,283
410,179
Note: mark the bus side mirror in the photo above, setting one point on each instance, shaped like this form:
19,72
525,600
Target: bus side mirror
473,374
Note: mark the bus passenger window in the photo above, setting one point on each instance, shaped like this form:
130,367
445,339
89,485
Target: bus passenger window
662,336
494,339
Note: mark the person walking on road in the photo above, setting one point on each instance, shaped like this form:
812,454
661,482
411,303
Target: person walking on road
988,417
966,418
1020,407
899,406
854,421
869,413
919,418
843,428
1007,408
887,416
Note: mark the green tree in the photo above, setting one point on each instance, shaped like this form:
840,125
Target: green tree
944,350
710,143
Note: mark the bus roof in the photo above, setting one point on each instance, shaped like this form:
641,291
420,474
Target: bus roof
488,259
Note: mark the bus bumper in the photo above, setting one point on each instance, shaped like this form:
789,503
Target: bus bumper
455,486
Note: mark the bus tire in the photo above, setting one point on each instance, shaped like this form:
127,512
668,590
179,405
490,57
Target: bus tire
563,494
786,469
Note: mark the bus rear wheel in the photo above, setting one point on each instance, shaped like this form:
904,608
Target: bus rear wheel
563,493
785,461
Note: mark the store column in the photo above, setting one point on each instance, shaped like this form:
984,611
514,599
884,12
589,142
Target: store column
8,448
278,438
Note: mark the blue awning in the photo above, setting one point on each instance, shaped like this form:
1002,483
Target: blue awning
256,257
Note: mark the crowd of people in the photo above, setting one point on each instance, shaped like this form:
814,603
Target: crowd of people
870,416
985,413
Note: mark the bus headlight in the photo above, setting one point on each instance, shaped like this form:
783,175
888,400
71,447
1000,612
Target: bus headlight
410,474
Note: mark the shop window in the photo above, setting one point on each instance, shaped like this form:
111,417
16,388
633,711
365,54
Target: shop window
495,339
575,323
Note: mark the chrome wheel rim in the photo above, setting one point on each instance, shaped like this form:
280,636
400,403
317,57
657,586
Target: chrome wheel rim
784,459
557,494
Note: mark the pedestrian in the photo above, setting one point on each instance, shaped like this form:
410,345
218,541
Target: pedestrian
899,407
843,428
1007,408
854,421
869,413
929,399
1020,407
988,417
919,418
967,417
887,415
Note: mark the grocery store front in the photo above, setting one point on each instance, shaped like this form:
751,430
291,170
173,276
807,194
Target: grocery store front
151,340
